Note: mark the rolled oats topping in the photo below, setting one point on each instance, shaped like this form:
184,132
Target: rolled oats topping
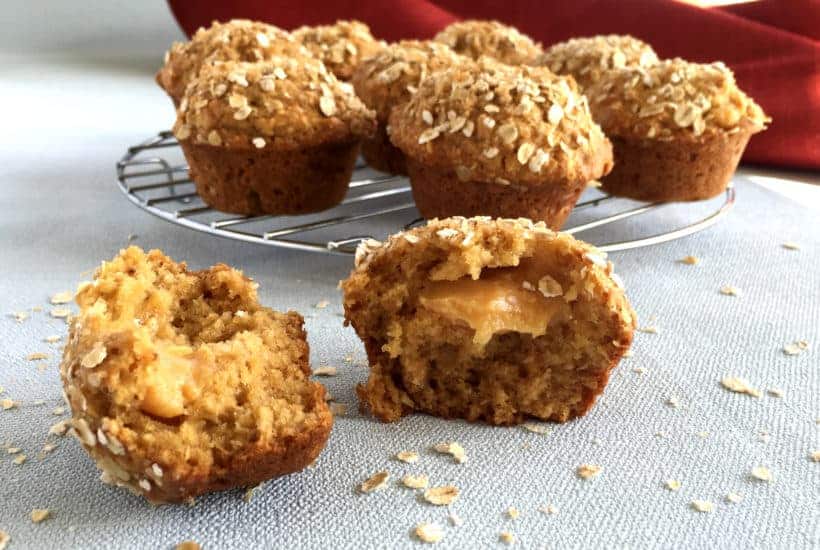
391,76
502,42
493,122
340,46
673,98
587,59
282,103
236,40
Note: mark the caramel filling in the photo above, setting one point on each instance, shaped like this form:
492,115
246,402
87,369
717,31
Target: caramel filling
171,382
510,299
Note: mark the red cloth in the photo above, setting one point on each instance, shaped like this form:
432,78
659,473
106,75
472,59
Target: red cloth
772,45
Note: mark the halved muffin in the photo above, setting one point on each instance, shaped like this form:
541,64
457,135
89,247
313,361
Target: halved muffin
474,38
275,137
387,80
486,138
340,46
678,129
491,320
236,40
180,383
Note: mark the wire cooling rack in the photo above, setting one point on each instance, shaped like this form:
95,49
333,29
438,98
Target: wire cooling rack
153,176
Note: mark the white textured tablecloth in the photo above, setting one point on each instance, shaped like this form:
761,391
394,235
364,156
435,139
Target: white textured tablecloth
60,214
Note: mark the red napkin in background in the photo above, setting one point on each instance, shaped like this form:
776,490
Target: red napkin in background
773,46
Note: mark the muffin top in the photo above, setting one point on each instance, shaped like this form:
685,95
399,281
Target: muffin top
281,103
674,99
390,77
588,58
501,42
497,123
236,40
341,46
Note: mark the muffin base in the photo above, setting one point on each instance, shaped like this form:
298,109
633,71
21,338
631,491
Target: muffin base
658,171
440,194
382,155
255,182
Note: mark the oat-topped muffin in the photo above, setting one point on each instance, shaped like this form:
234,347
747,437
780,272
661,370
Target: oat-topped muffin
340,46
491,38
678,129
236,40
180,383
274,137
387,80
492,320
586,59
490,139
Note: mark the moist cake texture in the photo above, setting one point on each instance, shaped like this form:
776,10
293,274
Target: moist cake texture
487,320
180,383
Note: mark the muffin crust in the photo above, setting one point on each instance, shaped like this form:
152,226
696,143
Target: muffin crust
340,46
491,38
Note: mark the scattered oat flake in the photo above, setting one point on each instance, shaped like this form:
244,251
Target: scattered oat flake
506,537
57,411
761,473
454,449
61,298
673,402
513,513
536,428
639,370
187,545
374,483
689,260
648,330
790,245
703,506
729,290
37,356
739,385
60,428
8,404
796,348
628,353
20,459
322,304
52,339
60,312
13,450
588,471
338,409
326,371
815,456
775,392
40,514
734,497
441,496
410,457
20,316
248,496
420,481
549,510
454,518
703,435
429,532
672,484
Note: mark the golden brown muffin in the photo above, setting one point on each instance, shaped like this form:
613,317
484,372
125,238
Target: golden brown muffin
340,46
587,59
491,38
275,137
486,138
491,320
236,40
180,383
678,129
387,80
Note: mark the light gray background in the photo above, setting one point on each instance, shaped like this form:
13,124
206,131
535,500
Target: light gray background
72,109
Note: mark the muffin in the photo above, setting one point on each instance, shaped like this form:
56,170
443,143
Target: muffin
490,139
587,59
486,320
491,38
678,129
236,40
340,46
387,80
180,383
275,137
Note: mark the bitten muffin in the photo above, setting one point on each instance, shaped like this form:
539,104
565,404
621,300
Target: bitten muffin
275,137
340,46
678,129
387,80
490,320
491,38
180,383
490,139
587,59
236,40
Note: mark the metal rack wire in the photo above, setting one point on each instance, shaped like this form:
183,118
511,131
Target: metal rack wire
154,177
